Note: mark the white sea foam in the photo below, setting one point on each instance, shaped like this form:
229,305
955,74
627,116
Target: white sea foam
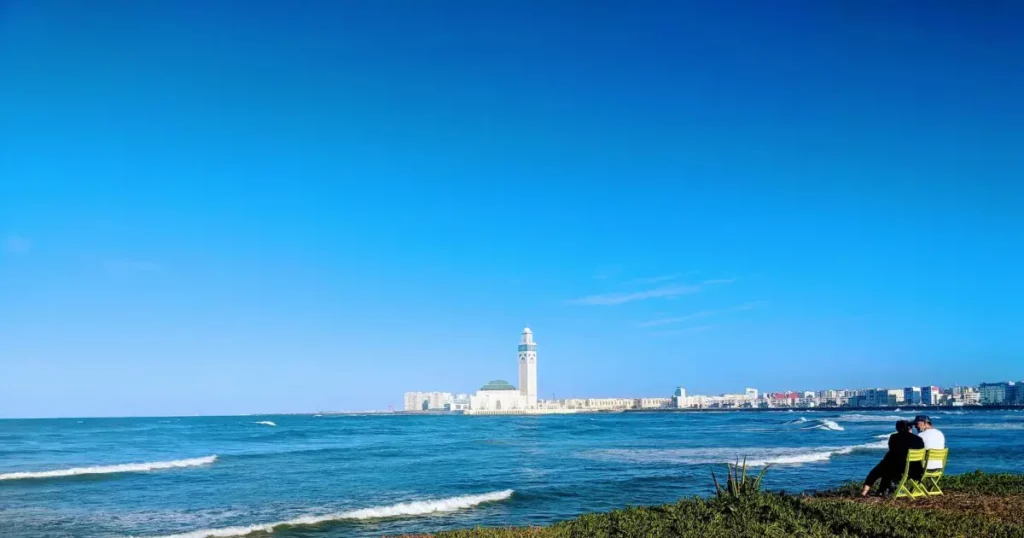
871,418
826,424
985,426
108,469
797,421
883,436
416,508
755,457
265,423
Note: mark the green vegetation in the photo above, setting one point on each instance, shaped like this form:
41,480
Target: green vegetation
738,484
975,504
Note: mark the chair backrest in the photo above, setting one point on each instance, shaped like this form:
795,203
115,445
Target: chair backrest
915,454
938,454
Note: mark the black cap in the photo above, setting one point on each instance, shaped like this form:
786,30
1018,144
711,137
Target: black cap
922,418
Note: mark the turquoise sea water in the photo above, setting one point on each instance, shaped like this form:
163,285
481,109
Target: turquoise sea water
335,476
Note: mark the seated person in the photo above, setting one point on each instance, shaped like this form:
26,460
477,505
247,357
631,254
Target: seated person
890,469
932,437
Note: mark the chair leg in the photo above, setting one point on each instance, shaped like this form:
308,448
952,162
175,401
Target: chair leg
932,487
918,490
902,491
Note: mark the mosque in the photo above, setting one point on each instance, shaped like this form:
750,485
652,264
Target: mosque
500,396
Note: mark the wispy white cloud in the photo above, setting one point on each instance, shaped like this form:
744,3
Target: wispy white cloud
16,244
628,297
680,319
701,314
131,267
665,291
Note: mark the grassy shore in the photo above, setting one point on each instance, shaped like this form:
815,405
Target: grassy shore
975,505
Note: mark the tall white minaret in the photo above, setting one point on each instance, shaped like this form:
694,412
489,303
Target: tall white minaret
528,368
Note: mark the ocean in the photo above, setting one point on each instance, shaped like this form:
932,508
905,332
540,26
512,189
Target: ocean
355,476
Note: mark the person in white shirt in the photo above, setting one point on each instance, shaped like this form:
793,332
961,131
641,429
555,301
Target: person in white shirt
933,438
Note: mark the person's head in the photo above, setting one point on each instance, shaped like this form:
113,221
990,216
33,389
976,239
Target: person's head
922,423
902,426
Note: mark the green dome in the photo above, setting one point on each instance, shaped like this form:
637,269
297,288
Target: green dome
498,384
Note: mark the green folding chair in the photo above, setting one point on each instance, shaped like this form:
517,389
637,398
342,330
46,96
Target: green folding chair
908,486
930,480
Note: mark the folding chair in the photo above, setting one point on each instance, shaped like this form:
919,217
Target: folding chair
930,480
908,486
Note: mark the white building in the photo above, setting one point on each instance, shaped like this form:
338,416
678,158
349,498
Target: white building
654,403
427,401
500,395
528,368
497,395
460,402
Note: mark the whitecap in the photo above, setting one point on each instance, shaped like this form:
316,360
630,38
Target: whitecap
825,424
109,469
755,457
265,423
415,508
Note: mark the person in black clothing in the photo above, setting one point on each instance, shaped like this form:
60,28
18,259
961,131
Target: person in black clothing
894,462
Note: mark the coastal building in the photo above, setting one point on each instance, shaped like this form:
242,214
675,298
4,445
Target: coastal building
460,402
607,404
875,398
930,395
996,393
784,399
427,401
912,395
679,398
653,403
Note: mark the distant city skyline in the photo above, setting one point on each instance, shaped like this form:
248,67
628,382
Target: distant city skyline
225,209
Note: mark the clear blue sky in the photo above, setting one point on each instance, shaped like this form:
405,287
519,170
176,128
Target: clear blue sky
229,207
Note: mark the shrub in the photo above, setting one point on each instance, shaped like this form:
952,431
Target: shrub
738,483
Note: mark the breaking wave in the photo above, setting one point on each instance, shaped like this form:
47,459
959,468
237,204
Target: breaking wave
415,508
800,420
265,423
826,424
109,469
755,457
